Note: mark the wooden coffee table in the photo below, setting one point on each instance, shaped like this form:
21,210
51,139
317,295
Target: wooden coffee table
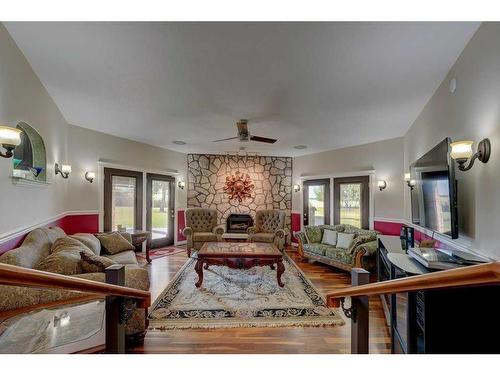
239,255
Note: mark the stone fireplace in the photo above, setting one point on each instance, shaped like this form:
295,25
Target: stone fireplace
238,223
270,175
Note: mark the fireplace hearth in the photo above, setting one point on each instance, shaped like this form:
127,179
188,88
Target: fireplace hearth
238,223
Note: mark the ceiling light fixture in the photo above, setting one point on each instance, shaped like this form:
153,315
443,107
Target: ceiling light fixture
179,143
300,147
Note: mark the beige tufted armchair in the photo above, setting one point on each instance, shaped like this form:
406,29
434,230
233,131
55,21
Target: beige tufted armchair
201,227
269,227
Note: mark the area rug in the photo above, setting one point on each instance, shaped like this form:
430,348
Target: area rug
240,298
161,252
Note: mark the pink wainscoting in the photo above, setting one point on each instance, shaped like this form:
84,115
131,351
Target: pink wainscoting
387,227
393,229
296,220
71,224
181,224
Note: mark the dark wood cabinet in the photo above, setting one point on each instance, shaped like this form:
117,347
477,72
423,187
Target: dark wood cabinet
458,320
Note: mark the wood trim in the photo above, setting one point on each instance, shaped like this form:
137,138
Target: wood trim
365,198
19,276
108,175
482,274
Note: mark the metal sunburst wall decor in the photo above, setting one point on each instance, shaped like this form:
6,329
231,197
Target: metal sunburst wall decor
239,186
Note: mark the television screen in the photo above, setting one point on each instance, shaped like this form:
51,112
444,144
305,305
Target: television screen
433,198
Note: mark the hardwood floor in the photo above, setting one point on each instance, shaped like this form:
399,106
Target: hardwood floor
264,340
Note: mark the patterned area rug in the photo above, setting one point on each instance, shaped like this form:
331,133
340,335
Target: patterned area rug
161,252
240,298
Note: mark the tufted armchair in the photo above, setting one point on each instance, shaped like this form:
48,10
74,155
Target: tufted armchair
269,227
201,227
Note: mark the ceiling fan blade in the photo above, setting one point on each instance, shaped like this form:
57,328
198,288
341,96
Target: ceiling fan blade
226,139
262,139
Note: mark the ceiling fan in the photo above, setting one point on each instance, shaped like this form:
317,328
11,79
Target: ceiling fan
244,135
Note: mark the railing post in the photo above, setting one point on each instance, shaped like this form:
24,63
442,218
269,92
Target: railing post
115,327
360,308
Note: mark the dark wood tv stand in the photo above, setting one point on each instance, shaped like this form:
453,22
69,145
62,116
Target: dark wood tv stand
459,320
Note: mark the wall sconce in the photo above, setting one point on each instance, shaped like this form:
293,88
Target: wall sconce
64,170
89,176
462,150
10,138
296,188
411,183
381,184
181,185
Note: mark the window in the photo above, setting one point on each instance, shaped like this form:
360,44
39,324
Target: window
351,201
29,161
317,202
122,199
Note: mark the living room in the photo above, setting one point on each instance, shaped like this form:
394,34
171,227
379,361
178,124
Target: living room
249,187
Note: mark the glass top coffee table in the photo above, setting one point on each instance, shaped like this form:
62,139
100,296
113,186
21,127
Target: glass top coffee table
239,255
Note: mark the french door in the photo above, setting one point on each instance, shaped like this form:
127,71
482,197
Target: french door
160,195
351,196
122,199
316,202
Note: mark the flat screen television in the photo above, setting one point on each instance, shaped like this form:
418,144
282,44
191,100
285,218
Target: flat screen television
434,196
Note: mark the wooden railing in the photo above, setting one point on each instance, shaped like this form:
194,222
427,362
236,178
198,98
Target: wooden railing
113,290
483,274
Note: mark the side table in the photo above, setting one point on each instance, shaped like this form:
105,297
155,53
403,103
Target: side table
138,238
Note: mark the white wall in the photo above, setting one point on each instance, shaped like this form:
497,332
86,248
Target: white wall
23,98
87,147
384,159
472,113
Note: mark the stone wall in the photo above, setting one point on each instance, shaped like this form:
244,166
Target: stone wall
271,175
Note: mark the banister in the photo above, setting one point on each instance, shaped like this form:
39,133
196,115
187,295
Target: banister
20,276
482,274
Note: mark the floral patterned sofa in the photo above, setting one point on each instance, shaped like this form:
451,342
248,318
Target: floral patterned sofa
37,246
360,254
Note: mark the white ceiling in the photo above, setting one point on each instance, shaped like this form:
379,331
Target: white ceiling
325,85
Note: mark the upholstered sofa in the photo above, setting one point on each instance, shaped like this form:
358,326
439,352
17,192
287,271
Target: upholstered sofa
269,227
37,246
201,226
359,254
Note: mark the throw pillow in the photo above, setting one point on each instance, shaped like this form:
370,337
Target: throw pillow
114,242
329,237
94,263
64,262
313,234
359,240
68,244
344,240
88,240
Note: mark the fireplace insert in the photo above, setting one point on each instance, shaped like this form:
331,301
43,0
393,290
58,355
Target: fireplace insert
238,223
